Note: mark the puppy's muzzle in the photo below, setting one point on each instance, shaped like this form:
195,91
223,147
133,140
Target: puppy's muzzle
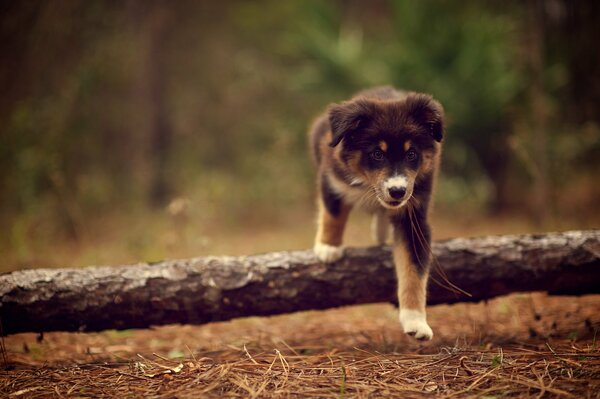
395,192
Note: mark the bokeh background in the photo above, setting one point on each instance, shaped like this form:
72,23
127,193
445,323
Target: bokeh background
143,130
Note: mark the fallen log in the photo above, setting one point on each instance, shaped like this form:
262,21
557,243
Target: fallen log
207,289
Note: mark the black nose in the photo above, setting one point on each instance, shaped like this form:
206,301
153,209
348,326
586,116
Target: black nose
397,192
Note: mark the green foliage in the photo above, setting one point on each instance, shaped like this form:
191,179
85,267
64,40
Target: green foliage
240,84
496,361
461,52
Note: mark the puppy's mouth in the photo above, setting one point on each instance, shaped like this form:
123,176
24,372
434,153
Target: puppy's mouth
392,204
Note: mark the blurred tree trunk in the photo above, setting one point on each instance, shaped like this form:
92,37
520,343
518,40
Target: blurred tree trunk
577,32
161,130
539,108
153,22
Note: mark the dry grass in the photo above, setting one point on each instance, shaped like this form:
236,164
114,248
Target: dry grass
523,345
455,372
118,239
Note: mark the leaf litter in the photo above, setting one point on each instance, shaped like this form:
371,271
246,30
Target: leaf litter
484,350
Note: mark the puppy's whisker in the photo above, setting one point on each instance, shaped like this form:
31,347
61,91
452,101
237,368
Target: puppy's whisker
421,236
369,197
414,222
412,218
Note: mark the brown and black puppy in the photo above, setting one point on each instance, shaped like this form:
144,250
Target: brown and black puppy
380,150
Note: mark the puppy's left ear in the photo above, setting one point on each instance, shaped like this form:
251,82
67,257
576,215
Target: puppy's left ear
347,118
428,113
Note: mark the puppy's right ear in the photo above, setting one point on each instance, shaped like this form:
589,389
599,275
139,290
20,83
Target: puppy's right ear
348,117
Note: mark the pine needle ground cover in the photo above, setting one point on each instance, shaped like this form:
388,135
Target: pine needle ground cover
526,345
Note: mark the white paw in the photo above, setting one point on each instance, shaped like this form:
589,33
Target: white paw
415,324
328,253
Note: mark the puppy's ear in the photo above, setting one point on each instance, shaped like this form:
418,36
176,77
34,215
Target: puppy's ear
427,112
348,117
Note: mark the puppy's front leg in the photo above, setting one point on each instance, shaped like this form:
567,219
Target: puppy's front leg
333,214
411,258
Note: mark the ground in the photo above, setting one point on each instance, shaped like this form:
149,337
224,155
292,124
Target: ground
524,345
517,346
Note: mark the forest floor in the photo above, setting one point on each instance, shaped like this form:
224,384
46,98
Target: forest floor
523,345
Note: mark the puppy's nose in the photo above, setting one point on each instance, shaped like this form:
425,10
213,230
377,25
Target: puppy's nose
397,192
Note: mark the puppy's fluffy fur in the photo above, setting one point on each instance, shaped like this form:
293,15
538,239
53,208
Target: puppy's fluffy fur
380,150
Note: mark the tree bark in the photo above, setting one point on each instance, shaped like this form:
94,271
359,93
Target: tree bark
207,289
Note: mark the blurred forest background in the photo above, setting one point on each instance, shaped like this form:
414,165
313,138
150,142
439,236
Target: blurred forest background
142,130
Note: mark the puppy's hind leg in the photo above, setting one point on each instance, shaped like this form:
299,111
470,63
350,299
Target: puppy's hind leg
380,227
333,214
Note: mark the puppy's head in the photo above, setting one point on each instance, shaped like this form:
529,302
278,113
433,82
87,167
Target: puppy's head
388,145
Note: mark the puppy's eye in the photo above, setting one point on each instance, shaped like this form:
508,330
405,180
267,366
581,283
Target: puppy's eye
411,156
377,155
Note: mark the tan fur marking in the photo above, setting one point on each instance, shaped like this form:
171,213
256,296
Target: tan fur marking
407,145
383,145
412,288
428,162
331,228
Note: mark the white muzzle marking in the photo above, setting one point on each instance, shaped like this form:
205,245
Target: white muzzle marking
398,181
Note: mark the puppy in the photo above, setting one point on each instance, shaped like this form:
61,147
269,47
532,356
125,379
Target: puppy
380,150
